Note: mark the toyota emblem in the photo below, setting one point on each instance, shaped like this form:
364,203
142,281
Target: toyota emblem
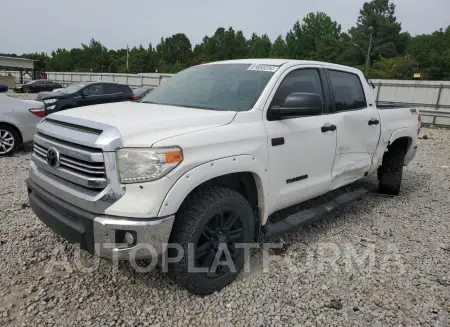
53,157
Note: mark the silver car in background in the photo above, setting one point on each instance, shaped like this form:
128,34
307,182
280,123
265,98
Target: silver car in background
18,120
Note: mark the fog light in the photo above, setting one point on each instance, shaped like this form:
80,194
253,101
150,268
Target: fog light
129,238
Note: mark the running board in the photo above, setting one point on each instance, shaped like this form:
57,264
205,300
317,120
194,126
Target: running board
309,215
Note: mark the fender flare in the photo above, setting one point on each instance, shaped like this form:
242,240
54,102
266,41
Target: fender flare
212,169
401,132
411,148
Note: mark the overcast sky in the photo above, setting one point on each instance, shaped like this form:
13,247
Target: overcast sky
45,25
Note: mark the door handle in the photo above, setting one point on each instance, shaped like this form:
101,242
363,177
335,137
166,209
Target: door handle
374,121
327,128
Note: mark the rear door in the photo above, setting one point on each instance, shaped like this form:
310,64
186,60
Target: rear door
38,85
126,93
358,127
301,152
94,94
113,93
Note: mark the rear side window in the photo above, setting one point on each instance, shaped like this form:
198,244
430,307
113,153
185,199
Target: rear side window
117,88
110,88
301,80
125,89
348,91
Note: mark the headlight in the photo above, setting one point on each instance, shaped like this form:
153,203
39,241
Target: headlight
50,101
144,165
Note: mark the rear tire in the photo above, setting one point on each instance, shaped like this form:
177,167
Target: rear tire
210,217
391,171
9,140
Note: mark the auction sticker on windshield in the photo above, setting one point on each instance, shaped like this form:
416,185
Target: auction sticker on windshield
263,68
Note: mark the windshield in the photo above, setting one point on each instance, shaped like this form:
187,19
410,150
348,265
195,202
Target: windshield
72,88
234,87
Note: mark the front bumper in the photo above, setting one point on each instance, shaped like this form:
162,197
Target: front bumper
100,235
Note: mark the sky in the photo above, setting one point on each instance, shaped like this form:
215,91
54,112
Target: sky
45,25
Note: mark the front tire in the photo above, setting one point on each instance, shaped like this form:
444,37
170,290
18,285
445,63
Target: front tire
9,140
391,171
210,223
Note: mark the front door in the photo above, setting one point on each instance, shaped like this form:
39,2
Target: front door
358,128
301,151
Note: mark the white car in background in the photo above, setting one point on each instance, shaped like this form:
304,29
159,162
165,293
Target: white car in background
18,120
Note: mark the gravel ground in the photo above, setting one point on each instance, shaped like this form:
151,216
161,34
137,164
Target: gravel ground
321,279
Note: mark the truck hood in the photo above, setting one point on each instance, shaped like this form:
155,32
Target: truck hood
143,124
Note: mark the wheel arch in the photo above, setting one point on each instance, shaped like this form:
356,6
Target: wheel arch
401,137
14,127
403,141
240,173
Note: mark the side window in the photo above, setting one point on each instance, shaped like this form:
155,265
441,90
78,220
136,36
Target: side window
96,89
125,89
112,89
301,80
348,91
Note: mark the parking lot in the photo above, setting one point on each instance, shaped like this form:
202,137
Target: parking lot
382,261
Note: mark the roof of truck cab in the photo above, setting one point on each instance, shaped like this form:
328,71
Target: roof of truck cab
280,62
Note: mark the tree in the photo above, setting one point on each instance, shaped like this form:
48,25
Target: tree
394,68
303,39
223,45
176,48
432,52
377,18
279,48
394,54
142,60
259,46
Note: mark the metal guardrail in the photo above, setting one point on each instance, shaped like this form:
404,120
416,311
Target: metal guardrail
435,95
435,113
431,97
423,112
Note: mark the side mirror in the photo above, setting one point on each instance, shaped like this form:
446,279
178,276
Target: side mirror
297,104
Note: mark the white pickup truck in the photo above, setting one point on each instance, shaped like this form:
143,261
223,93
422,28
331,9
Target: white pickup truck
204,160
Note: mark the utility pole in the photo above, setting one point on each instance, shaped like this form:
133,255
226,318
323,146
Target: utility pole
369,50
128,54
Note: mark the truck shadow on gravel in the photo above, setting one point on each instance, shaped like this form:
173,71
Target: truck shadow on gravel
363,212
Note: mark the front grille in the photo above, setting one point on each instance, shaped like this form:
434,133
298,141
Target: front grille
79,165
